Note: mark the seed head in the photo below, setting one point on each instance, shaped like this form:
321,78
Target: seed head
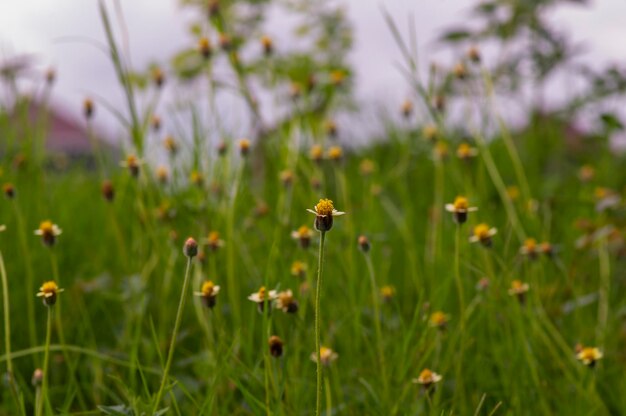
37,378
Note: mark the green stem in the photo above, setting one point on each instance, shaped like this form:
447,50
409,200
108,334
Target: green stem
46,361
170,354
7,327
379,338
459,286
603,298
318,290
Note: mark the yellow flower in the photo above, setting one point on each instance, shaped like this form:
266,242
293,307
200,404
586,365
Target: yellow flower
327,356
303,235
430,132
204,47
427,378
316,153
244,146
483,234
367,167
162,174
330,127
519,289
324,213
268,44
213,240
286,302
512,192
529,248
407,108
132,164
387,292
208,293
335,153
286,177
439,320
48,232
262,296
170,145
49,291
459,71
88,108
473,53
196,178
337,77
3,228
459,208
589,355
547,248
441,150
466,152
298,268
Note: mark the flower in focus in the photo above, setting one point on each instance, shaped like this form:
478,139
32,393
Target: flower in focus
132,164
459,209
286,302
208,293
589,355
327,356
427,378
48,232
263,296
298,269
49,291
483,234
324,212
213,241
439,320
303,235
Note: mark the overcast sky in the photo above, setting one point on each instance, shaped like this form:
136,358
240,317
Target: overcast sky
57,32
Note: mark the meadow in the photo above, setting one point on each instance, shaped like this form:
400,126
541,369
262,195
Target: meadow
476,270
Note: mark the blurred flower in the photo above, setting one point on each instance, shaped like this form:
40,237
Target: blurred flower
606,198
171,145
316,153
262,296
9,190
331,128
430,132
295,90
37,378
387,292
298,269
483,284
226,42
483,234
589,355
196,178
204,47
286,177
49,291
324,213
276,346
335,153
158,77
439,103
286,302
519,289
466,152
48,232
268,45
512,192
547,248
155,122
427,378
364,243
244,147
460,71
407,108
337,77
162,174
459,209
208,293
473,54
190,248
213,240
108,191
586,173
327,356
439,320
132,164
529,248
441,151
88,108
303,235
367,167
50,75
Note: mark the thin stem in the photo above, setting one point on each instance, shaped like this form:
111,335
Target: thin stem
318,289
379,338
7,326
46,361
170,354
459,286
603,298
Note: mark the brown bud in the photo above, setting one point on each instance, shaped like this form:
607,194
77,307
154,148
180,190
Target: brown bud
190,249
108,192
276,346
88,108
364,243
9,190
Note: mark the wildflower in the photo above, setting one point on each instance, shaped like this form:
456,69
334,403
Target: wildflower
606,198
327,356
9,190
132,163
244,146
162,174
286,177
88,108
298,269
460,71
304,235
483,234
331,128
430,132
155,122
51,76
158,77
589,355
170,145
387,292
48,232
519,289
213,241
483,284
268,45
226,42
441,151
337,77
474,54
335,153
440,103
586,173
190,249
427,378
286,302
512,192
196,178
208,293
222,148
324,213
49,291
295,91
547,248
262,296
459,209
261,209
367,167
204,47
316,153
438,320
407,108
37,378
529,248
108,191
276,346
466,152
364,243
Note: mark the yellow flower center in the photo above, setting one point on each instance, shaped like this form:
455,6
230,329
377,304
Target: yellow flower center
214,237
438,318
244,144
207,288
325,353
285,298
324,207
463,150
387,291
49,287
131,160
482,231
335,153
262,293
46,228
297,268
426,376
303,231
517,286
530,244
589,354
460,203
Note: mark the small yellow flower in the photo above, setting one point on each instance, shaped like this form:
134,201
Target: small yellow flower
9,190
335,153
327,356
331,128
460,71
213,241
303,235
513,192
244,147
262,296
162,174
49,291
483,234
367,167
3,228
208,293
337,77
268,44
298,268
439,320
132,164
324,213
276,346
459,209
547,248
427,378
589,355
286,177
519,289
387,292
204,47
529,248
316,153
196,178
430,132
286,302
171,145
466,152
48,232
407,108
441,151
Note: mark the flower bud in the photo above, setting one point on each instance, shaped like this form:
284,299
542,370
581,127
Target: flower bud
88,108
108,192
364,244
276,346
9,190
37,377
190,249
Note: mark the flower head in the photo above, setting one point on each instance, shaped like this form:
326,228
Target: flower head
268,45
204,47
276,346
427,378
171,145
49,291
316,153
335,153
407,108
244,147
88,108
286,302
430,132
48,232
208,293
439,320
387,292
213,240
364,243
519,289
529,248
459,209
162,174
9,190
466,152
303,235
482,234
132,164
324,212
190,248
298,269
589,355
327,356
262,296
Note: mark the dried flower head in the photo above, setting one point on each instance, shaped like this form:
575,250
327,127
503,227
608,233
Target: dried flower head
589,356
364,243
298,269
427,378
49,291
459,209
276,346
48,232
327,356
303,235
286,302
324,212
208,293
483,234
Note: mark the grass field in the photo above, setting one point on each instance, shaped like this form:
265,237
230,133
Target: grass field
505,325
